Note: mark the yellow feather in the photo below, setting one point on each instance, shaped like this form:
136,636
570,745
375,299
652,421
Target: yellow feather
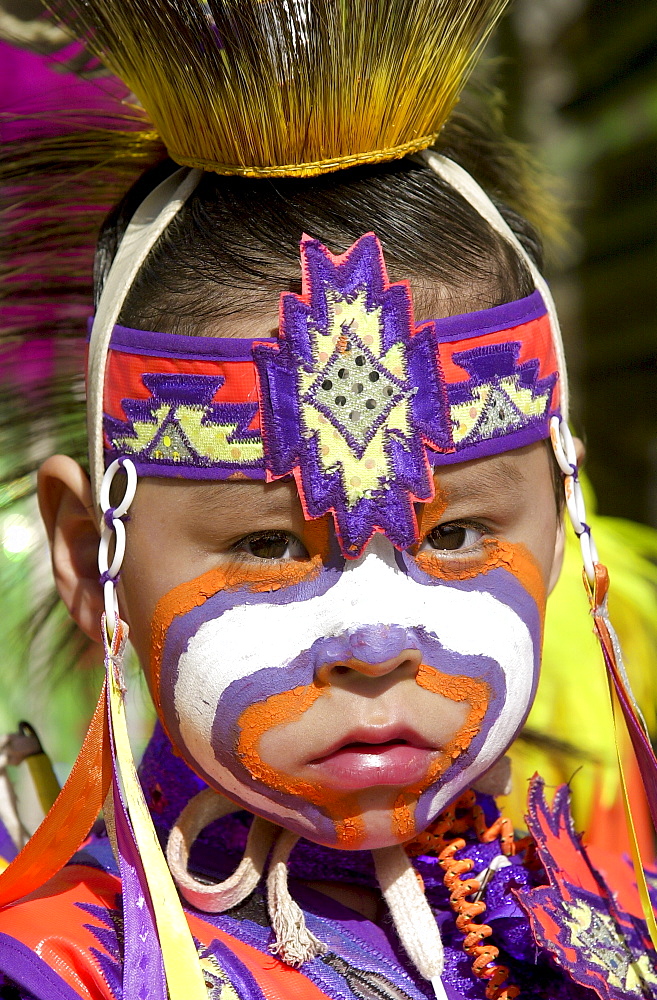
572,704
289,87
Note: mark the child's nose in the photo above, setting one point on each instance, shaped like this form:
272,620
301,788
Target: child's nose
374,650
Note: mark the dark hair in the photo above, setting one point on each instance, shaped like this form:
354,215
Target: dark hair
235,245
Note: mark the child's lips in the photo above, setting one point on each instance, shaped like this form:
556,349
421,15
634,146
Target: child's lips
363,760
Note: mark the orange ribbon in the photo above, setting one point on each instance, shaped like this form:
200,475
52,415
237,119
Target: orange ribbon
69,820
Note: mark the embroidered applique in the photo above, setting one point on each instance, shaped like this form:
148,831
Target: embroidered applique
500,397
217,982
577,917
109,932
365,984
353,399
351,396
180,425
352,969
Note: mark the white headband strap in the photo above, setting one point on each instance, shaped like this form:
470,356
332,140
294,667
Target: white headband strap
162,205
467,187
145,228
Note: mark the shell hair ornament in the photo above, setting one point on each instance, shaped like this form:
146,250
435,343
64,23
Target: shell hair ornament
353,400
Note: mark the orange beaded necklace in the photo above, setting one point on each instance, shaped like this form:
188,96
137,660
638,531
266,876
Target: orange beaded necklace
441,839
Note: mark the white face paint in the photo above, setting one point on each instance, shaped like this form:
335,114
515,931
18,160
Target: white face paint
242,649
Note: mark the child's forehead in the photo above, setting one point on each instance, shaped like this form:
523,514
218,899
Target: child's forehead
354,398
498,479
250,318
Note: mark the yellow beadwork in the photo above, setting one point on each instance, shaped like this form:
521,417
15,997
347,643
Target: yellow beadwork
209,440
361,475
465,416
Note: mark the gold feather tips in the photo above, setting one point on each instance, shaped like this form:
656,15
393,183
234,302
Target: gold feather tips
289,87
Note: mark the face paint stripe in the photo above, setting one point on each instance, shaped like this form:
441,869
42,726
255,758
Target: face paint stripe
253,577
287,707
477,694
430,514
370,594
496,581
274,641
219,740
278,710
177,635
499,555
175,603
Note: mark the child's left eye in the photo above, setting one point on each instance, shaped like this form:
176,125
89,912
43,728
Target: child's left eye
272,545
452,537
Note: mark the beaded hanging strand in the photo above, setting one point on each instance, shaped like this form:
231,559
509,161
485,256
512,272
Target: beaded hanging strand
465,894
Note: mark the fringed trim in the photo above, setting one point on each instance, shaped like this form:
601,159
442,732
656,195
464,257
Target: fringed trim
294,943
411,914
199,812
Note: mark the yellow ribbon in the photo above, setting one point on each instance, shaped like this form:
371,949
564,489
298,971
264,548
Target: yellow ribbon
603,628
635,850
181,965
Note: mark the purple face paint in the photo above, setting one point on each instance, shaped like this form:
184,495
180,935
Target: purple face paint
239,649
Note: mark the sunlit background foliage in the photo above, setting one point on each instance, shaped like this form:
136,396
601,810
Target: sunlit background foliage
581,84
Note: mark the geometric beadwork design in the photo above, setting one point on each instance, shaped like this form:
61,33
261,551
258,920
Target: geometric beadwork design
500,397
356,393
353,399
351,396
594,933
179,425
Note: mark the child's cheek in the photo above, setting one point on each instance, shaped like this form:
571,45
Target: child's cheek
515,558
237,579
271,735
235,663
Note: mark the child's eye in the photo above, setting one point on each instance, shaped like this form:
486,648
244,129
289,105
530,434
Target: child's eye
272,545
452,537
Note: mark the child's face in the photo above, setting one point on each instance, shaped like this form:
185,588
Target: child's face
348,700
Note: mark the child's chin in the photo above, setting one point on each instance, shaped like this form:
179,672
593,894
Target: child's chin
372,829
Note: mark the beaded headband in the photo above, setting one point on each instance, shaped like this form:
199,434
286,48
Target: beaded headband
353,399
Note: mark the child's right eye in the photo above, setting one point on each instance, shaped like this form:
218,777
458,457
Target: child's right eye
272,545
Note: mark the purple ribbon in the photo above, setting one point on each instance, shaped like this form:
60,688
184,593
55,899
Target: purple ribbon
143,968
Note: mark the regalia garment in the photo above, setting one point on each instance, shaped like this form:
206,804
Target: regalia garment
556,920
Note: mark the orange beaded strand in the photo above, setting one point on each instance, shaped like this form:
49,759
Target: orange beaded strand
441,838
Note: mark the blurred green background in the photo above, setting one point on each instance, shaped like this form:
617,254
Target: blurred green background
581,85
581,82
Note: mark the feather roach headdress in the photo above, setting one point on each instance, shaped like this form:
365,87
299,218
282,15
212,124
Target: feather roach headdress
267,87
311,85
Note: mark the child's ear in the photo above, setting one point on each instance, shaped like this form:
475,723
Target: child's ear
67,509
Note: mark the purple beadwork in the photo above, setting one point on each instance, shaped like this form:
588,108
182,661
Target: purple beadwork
350,397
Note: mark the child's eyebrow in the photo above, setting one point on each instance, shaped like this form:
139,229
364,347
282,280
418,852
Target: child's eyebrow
227,498
502,476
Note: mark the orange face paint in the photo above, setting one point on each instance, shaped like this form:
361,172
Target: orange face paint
429,515
344,808
243,667
513,557
460,689
317,537
282,709
262,576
